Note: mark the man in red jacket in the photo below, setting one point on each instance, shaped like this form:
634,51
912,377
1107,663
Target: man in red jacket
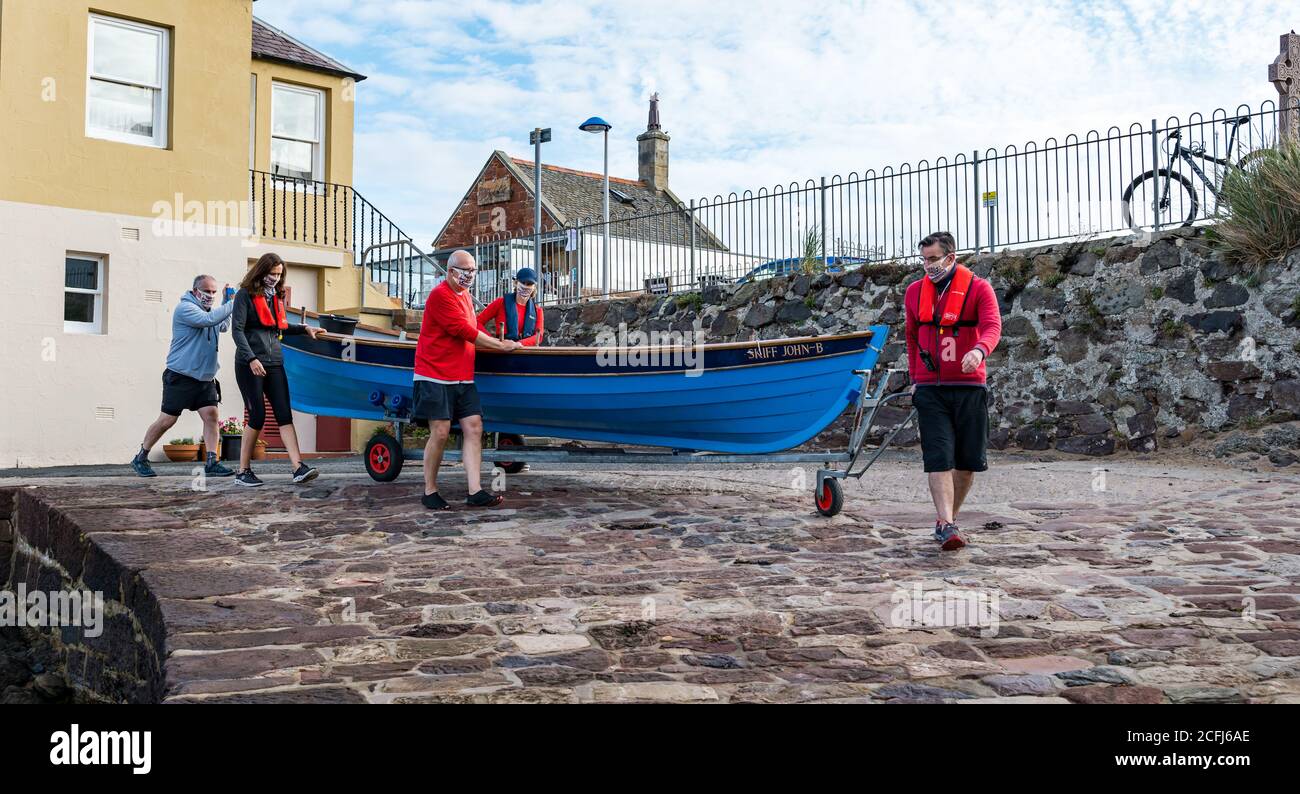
953,324
444,388
521,319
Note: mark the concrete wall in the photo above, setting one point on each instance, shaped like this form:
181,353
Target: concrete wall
54,381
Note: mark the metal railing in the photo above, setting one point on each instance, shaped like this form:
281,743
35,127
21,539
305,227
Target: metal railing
331,215
1144,177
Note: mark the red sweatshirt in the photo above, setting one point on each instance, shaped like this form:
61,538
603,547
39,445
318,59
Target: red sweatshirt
445,350
948,349
496,310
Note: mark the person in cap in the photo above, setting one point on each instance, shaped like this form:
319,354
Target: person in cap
518,317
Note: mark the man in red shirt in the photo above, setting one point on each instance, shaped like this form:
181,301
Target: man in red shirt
520,319
444,389
953,324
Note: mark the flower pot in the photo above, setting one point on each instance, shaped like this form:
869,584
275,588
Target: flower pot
181,453
230,446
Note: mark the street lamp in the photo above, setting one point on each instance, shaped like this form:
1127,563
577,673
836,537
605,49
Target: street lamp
538,137
597,124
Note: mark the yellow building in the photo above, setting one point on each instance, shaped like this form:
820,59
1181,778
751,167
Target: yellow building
143,142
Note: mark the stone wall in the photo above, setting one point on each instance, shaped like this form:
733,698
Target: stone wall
1133,342
51,552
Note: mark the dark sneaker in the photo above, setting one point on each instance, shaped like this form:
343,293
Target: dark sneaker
434,501
140,463
304,473
248,478
484,499
213,468
949,537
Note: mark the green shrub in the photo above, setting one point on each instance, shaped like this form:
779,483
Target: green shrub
811,261
690,300
1259,207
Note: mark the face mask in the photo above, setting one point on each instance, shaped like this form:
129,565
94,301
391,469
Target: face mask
463,278
205,300
271,281
936,270
525,291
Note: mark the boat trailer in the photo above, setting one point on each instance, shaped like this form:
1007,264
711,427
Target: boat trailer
384,453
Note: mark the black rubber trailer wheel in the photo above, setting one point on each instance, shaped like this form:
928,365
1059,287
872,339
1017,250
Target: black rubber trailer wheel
830,499
384,458
510,440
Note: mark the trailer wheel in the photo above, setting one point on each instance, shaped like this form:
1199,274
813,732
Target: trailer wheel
510,440
830,500
384,458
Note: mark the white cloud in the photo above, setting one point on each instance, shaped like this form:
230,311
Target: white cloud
760,93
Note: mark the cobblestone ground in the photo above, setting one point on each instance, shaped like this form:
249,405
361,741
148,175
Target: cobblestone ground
1145,582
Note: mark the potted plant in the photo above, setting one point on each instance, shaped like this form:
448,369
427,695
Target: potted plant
232,438
181,450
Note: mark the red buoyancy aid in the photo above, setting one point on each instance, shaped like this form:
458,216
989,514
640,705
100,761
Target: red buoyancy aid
264,312
952,307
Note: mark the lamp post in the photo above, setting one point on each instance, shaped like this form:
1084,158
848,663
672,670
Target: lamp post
538,137
597,124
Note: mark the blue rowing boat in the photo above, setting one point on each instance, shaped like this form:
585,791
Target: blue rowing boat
739,397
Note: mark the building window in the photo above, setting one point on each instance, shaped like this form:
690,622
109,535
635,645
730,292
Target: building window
297,132
126,86
83,294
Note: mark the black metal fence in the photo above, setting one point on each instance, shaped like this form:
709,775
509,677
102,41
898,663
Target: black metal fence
336,216
1143,177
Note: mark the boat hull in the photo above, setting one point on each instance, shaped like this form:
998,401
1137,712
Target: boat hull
753,397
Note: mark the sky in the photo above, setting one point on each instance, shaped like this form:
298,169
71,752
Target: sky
756,93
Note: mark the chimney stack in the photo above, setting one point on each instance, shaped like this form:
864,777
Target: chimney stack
652,150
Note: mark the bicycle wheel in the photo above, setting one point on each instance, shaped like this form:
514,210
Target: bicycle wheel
1177,207
1251,160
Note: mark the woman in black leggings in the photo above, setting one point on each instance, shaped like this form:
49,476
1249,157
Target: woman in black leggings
259,321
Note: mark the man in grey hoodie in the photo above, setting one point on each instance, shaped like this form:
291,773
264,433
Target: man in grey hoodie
189,382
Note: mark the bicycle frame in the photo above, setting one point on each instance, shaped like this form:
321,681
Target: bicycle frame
1187,155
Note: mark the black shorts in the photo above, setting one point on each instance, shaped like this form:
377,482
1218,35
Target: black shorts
444,401
183,393
954,425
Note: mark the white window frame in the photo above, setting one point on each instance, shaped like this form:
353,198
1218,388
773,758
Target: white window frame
101,273
318,157
160,108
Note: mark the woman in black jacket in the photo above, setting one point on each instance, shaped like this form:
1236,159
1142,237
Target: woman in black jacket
258,322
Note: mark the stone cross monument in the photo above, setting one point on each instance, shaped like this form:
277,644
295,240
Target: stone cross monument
1285,74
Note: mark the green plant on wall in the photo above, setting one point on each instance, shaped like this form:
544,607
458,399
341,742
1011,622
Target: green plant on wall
690,300
810,261
1258,215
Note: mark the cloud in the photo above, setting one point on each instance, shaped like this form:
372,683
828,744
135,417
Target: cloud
760,93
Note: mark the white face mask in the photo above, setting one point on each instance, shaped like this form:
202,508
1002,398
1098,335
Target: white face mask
205,300
270,281
525,291
463,278
938,269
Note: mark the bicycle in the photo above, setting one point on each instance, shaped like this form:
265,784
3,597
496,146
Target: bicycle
1174,189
